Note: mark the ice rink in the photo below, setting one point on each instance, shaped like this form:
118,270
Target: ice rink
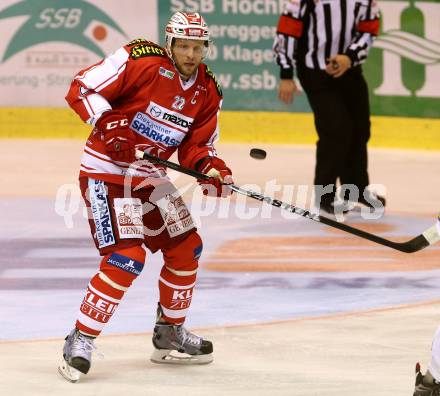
293,307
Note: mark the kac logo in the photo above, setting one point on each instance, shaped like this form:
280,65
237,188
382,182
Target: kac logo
50,21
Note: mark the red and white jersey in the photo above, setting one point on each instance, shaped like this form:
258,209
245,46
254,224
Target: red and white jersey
165,113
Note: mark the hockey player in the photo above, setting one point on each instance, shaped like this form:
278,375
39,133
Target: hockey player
145,97
429,384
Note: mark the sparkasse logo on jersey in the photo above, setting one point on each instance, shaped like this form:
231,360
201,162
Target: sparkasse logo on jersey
51,20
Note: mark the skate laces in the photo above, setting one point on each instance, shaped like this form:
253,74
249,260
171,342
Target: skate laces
188,337
86,344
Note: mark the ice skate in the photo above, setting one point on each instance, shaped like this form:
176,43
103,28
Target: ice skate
77,356
426,385
173,344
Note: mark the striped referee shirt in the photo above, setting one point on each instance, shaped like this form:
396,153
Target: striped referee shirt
311,31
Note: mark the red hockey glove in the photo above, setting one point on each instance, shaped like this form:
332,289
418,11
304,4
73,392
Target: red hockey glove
220,174
118,138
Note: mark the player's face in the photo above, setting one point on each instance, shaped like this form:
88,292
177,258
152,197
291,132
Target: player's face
187,55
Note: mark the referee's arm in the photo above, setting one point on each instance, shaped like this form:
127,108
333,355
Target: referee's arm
366,31
289,29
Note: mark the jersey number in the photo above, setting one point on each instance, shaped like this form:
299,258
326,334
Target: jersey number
179,103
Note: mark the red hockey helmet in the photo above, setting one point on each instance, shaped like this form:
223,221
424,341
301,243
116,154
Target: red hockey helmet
189,26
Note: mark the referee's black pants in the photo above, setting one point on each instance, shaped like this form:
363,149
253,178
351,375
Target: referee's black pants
342,120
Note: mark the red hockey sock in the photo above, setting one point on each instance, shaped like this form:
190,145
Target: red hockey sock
106,289
178,277
98,306
175,295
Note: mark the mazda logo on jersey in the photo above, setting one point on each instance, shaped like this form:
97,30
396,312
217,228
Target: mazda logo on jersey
169,117
155,112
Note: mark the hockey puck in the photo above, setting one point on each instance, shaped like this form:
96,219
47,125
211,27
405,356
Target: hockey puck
257,153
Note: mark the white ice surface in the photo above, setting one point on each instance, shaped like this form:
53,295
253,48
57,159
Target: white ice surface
221,298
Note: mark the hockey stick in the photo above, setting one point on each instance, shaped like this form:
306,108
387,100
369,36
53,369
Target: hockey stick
429,237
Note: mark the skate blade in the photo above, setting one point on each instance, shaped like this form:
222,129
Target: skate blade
68,372
169,356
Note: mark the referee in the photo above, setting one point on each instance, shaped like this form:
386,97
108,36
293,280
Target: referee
325,42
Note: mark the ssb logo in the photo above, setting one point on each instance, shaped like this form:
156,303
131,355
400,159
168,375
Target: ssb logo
49,21
203,6
63,17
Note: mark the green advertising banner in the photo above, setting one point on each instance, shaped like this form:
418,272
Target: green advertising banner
46,42
403,69
243,32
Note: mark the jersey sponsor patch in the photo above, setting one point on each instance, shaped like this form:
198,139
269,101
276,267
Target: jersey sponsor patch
97,307
126,263
146,49
169,117
101,213
129,217
175,214
147,127
166,73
